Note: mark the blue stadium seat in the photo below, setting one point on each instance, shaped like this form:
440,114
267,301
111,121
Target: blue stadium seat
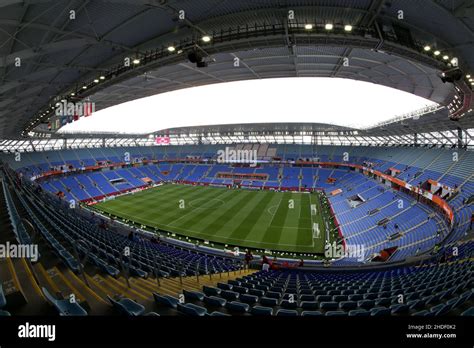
309,304
249,299
166,300
224,286
366,304
289,304
359,313
273,294
193,295
214,301
347,305
311,314
328,305
236,306
229,295
110,270
355,297
191,309
424,313
248,286
240,289
307,292
383,301
3,300
339,298
269,302
309,298
211,291
127,306
138,272
440,309
261,287
468,312
323,298
399,308
416,304
219,314
370,296
468,295
286,313
256,292
379,311
336,314
264,311
64,307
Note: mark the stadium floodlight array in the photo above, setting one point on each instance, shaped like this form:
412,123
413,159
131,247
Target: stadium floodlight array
190,43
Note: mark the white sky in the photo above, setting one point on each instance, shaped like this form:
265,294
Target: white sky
337,101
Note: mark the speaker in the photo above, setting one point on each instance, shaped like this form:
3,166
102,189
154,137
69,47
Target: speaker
194,57
452,75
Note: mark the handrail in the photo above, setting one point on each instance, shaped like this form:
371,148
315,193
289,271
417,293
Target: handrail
76,245
18,227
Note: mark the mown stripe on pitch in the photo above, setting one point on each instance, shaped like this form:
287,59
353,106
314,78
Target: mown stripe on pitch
161,206
146,212
288,237
304,236
273,233
258,231
158,198
238,202
137,204
243,230
134,198
168,217
204,218
196,215
235,218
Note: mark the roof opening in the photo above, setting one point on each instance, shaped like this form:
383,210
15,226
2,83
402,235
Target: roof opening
342,102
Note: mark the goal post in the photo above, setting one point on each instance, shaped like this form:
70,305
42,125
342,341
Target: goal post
316,232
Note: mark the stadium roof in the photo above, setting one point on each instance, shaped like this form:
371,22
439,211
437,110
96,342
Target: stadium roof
48,52
259,128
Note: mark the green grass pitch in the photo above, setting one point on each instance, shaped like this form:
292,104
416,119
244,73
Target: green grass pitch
278,221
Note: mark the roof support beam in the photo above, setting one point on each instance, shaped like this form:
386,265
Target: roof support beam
459,138
372,13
